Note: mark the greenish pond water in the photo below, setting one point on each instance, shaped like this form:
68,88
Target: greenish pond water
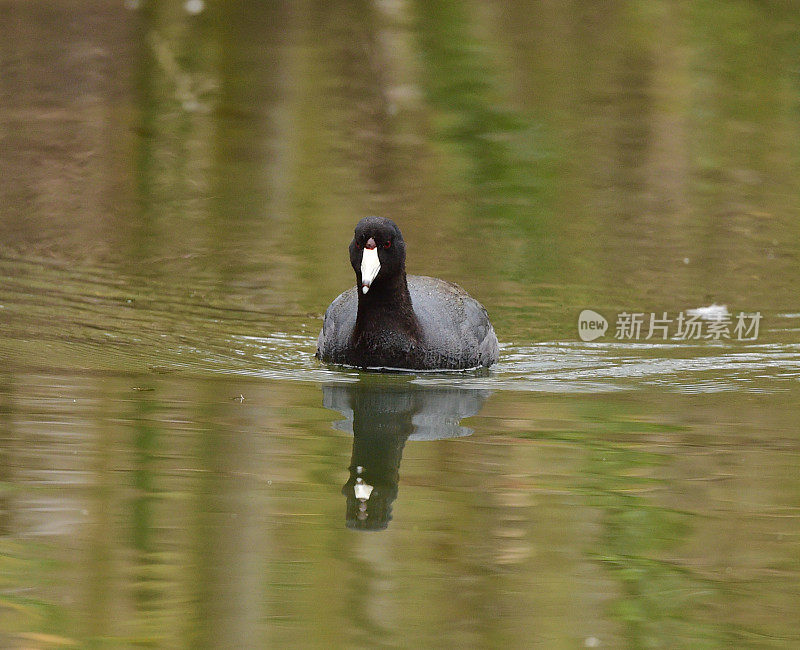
178,187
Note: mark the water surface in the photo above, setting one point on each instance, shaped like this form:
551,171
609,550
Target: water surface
179,187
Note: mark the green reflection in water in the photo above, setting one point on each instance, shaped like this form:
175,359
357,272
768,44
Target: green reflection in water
178,192
507,167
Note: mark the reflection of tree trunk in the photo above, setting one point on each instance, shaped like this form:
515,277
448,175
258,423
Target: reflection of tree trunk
143,233
357,61
146,439
631,135
100,562
205,87
7,436
246,78
361,87
667,170
229,537
281,108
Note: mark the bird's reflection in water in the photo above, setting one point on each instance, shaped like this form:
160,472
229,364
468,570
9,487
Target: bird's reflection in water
382,412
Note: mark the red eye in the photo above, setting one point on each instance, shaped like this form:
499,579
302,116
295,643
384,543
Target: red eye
387,243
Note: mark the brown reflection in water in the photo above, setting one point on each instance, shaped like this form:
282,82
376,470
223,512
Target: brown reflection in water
630,147
65,101
179,515
170,167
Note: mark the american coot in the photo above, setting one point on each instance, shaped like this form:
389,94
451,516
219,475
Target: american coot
390,321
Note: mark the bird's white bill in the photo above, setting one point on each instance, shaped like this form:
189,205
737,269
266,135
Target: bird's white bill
370,265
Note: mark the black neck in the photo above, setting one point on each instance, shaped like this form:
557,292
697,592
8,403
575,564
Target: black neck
387,304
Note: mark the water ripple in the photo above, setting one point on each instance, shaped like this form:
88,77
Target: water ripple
558,367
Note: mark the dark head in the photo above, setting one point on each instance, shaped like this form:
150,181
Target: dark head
377,253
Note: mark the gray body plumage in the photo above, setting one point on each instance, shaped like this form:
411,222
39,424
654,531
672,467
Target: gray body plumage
454,331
